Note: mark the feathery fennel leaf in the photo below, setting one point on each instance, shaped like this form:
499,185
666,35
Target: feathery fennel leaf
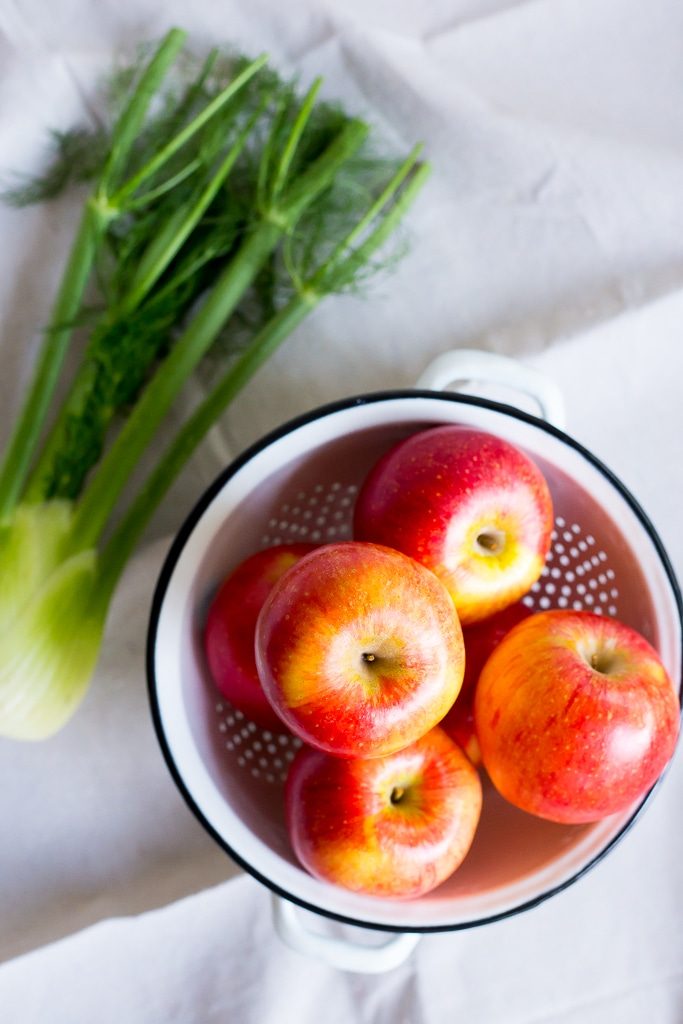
225,203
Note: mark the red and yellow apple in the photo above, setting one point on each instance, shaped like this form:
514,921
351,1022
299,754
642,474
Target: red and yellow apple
231,625
359,649
470,506
576,716
394,826
481,640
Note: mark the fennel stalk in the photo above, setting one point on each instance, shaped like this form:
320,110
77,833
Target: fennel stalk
220,214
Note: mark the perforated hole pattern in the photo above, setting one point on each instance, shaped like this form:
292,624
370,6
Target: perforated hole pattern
265,755
576,575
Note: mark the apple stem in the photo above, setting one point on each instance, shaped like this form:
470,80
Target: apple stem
491,541
397,794
602,662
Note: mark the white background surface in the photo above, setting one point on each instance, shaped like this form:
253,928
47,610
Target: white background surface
553,230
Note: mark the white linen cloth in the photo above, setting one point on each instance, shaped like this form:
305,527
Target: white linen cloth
555,210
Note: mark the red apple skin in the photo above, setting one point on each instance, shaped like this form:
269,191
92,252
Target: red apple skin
468,505
345,828
563,739
481,640
359,649
231,625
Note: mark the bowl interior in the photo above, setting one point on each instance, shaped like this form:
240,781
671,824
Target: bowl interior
302,486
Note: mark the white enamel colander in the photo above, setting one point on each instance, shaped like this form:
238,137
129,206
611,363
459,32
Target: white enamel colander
299,483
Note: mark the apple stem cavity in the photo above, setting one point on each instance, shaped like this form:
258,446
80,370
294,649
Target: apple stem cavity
602,662
491,542
368,657
397,794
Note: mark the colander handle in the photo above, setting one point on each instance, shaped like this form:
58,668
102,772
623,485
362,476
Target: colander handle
475,365
336,952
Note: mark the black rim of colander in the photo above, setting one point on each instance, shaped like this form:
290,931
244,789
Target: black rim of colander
186,530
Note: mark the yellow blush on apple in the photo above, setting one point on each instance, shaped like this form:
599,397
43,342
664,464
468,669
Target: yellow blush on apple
359,649
393,827
576,716
471,507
